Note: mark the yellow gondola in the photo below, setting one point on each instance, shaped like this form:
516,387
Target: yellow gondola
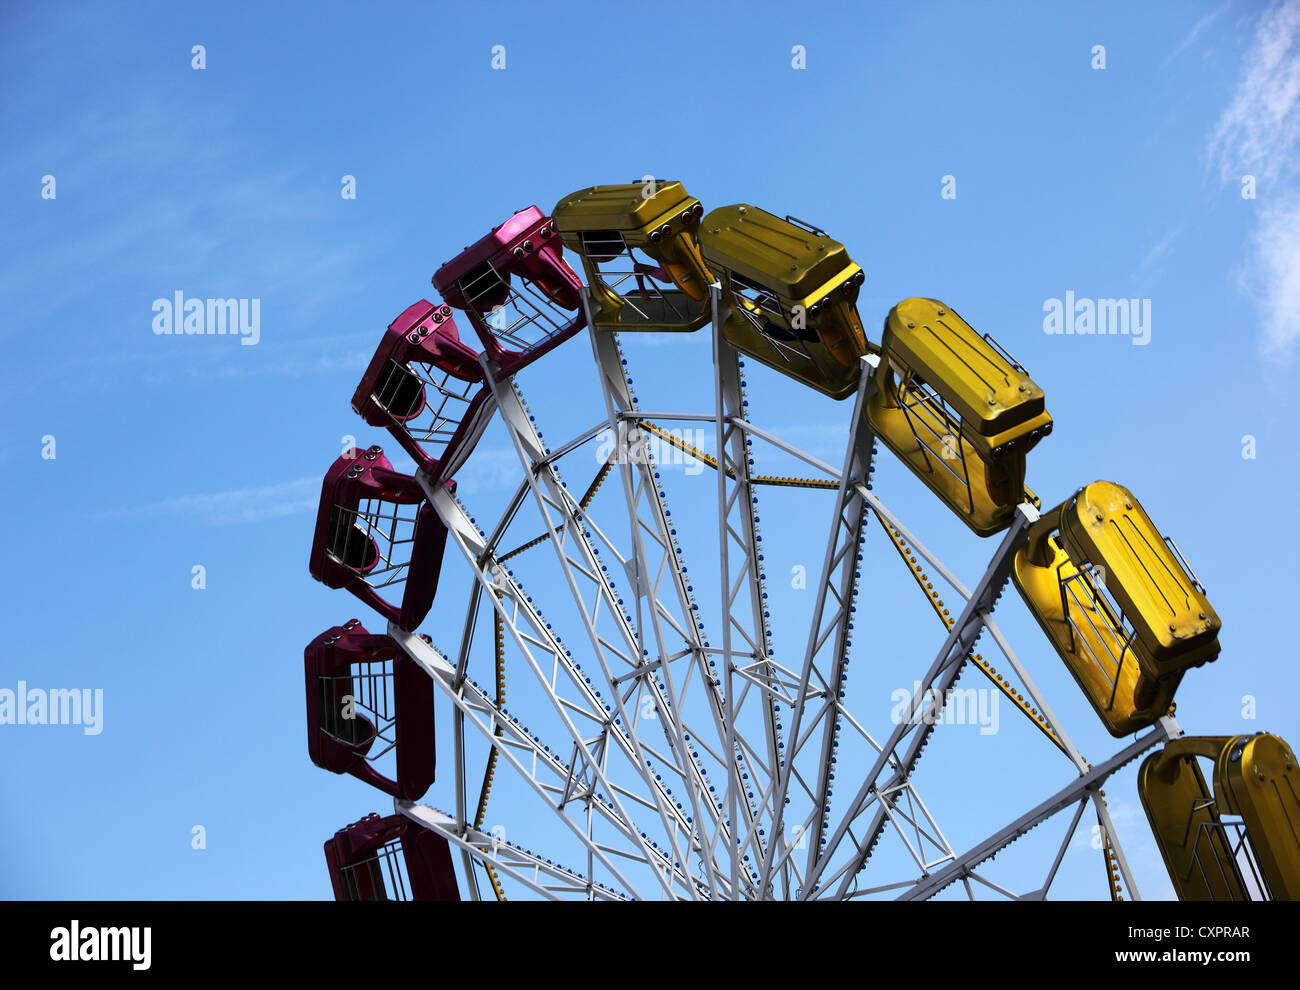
957,410
1175,625
792,292
1117,603
1255,852
605,224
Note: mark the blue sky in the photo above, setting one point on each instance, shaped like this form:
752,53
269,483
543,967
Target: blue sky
174,451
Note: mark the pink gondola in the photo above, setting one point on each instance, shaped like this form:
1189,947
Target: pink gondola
427,389
365,699
515,287
390,859
375,532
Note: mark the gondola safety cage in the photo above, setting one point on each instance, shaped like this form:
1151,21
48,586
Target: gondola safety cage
604,225
1239,842
958,411
365,699
390,859
516,289
426,387
376,532
791,295
1118,602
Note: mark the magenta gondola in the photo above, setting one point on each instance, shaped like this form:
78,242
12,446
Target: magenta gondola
515,287
365,699
390,859
427,389
375,532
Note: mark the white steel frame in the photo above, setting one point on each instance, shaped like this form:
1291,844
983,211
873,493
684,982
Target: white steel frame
611,792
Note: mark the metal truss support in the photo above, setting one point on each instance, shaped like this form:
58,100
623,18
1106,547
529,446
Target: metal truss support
573,535
746,634
480,711
938,679
538,874
650,640
830,633
1054,725
1075,792
658,557
572,698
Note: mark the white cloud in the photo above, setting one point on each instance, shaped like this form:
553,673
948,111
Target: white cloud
1276,278
1194,33
490,470
193,218
1261,126
240,505
1161,247
1259,134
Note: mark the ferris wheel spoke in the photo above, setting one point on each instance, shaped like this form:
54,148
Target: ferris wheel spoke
838,583
1039,713
1045,722
534,871
938,679
1039,699
494,579
573,530
1059,736
1041,893
1111,837
652,527
481,712
1041,721
922,827
997,888
790,683
915,850
744,612
1077,791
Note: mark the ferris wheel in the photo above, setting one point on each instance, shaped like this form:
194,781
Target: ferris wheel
610,704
